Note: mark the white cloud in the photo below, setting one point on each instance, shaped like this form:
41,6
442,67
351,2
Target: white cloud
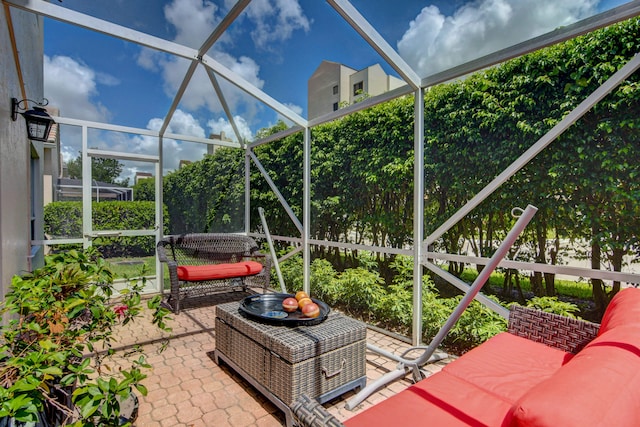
185,124
200,91
72,86
193,20
435,42
272,21
181,123
221,125
275,20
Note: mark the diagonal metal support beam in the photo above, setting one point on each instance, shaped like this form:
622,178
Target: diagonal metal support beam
609,17
427,353
235,11
178,97
371,35
273,187
247,87
78,19
225,105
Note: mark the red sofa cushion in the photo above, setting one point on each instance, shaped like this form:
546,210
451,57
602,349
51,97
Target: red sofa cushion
508,365
195,273
600,386
624,309
440,400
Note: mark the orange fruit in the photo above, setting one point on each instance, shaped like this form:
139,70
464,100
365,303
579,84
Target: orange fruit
290,304
311,310
304,301
301,294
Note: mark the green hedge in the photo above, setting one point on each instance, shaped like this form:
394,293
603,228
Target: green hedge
64,220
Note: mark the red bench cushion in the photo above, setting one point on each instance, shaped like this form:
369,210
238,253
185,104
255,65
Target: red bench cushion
195,273
508,365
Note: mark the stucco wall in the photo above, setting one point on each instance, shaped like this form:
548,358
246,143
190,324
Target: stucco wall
15,148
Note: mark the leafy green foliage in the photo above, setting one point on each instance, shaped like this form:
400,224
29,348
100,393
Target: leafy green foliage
207,195
59,312
477,324
102,170
145,190
554,305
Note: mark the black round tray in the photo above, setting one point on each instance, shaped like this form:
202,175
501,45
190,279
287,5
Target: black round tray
267,308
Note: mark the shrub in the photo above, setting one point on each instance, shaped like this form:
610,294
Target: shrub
361,293
64,220
554,305
476,325
59,314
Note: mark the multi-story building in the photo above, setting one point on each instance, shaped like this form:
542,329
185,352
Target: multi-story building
333,85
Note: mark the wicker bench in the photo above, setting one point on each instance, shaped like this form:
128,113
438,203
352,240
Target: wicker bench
202,262
547,370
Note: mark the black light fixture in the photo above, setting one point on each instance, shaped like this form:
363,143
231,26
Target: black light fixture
38,121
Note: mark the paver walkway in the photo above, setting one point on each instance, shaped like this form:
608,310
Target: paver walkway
187,388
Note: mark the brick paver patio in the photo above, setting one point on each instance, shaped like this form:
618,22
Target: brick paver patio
186,387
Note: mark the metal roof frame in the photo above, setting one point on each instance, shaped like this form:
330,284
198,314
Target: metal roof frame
416,86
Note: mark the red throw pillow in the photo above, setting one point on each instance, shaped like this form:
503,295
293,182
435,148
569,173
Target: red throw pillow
600,386
196,273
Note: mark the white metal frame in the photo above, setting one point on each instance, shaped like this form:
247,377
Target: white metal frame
416,85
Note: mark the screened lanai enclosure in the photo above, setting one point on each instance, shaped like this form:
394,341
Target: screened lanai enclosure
495,106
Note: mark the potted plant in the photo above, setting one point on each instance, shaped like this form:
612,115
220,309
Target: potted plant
56,339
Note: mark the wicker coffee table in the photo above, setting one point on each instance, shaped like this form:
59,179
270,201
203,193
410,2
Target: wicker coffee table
321,361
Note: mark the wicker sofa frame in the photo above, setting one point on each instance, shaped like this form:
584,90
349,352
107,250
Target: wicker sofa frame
566,334
199,249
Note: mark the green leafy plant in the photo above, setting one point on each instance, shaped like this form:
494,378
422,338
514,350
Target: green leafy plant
554,305
60,333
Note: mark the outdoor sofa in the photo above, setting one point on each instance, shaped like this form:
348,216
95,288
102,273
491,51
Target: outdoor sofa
547,370
201,262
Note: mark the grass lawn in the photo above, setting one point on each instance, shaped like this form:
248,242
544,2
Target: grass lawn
566,288
129,267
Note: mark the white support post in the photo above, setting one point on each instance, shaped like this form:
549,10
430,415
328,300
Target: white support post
418,214
87,196
159,214
306,212
247,191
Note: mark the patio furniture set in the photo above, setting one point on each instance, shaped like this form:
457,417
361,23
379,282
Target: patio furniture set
547,370
322,361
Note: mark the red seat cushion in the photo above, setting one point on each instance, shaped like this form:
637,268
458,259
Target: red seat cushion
440,400
600,386
478,389
195,273
508,365
624,309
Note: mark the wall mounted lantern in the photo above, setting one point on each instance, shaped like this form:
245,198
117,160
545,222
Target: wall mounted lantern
38,121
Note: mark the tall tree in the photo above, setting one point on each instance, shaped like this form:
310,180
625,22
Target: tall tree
102,169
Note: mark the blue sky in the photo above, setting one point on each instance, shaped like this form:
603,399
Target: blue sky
275,44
